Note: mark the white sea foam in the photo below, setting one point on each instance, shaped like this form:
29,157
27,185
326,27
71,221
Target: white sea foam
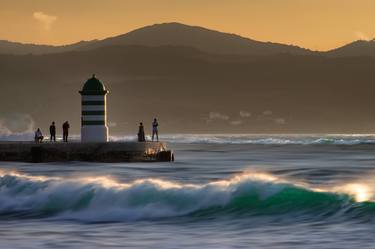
339,139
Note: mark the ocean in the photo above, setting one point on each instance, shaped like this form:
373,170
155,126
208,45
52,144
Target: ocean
223,191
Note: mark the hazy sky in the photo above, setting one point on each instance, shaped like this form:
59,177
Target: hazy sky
315,24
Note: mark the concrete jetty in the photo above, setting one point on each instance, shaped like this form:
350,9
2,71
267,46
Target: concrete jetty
94,145
91,152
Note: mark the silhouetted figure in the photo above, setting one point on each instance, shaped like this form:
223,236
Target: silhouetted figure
141,133
155,130
65,127
38,136
52,132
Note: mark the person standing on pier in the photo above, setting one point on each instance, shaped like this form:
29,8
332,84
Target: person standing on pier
52,132
65,127
155,130
141,133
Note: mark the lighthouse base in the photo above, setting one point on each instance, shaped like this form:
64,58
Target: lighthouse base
94,134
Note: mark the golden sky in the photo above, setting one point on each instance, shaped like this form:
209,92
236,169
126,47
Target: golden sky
314,24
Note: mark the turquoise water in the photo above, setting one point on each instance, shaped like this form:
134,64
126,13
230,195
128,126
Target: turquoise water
222,192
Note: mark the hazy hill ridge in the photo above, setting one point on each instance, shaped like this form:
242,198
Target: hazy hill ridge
16,48
356,48
176,34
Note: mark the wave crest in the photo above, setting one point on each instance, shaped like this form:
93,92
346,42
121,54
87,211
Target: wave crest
104,199
344,139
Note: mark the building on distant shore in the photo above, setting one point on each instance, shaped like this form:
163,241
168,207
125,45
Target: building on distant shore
94,111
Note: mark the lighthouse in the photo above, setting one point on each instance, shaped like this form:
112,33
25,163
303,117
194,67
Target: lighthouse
94,111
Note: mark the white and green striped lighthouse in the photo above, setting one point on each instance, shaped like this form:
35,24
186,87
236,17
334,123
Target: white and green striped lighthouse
94,112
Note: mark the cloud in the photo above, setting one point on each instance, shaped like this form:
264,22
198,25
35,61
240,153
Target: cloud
280,121
244,114
217,116
236,122
362,36
45,20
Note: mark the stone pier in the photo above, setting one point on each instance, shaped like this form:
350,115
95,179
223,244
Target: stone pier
91,152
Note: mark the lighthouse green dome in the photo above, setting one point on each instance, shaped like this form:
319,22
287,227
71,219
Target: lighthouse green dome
93,86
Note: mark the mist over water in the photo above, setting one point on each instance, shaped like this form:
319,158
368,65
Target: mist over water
223,191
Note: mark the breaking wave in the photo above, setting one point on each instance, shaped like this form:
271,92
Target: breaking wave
261,139
95,199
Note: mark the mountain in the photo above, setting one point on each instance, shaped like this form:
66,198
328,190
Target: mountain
177,34
167,34
206,40
7,47
193,91
357,48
